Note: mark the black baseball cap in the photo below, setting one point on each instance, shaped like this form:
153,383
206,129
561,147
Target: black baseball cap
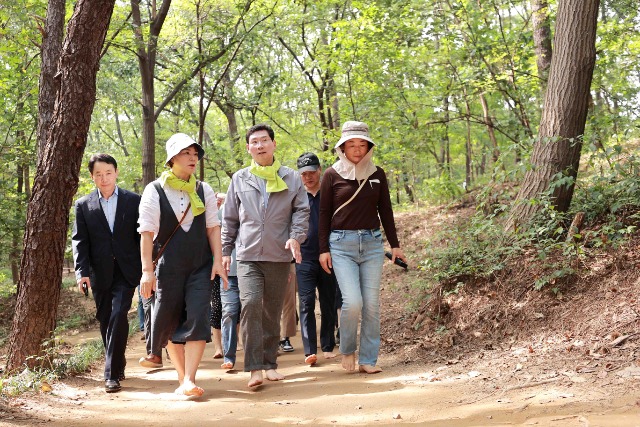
308,162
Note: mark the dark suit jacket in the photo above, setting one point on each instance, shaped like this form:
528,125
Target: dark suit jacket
95,248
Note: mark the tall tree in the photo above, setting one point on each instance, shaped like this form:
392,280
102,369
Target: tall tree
56,182
559,142
147,62
49,53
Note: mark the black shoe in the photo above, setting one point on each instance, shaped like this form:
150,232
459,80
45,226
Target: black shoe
122,377
112,386
285,345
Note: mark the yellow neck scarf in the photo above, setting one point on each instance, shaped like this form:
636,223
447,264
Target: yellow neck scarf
275,184
197,205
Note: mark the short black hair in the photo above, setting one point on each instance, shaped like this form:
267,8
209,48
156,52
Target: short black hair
260,126
104,158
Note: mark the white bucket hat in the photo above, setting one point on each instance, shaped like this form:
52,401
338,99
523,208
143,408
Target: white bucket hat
353,129
178,142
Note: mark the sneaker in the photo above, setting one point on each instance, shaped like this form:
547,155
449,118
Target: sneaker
285,345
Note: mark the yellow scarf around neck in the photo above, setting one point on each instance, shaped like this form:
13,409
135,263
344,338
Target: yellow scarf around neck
275,184
169,178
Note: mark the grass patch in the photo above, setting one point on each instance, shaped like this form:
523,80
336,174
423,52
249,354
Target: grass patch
58,362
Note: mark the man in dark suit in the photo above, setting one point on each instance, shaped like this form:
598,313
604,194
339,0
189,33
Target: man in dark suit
106,251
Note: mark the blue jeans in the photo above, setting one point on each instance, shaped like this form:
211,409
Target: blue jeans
230,318
140,311
357,257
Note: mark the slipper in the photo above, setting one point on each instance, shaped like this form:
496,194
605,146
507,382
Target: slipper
192,392
311,359
227,366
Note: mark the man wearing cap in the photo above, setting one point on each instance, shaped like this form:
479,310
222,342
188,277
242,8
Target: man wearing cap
181,253
266,216
310,274
106,251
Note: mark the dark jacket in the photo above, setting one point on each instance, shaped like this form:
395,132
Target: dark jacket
96,249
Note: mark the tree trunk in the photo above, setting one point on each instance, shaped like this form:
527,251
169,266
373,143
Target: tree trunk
147,65
56,182
495,151
50,53
542,39
468,147
557,149
15,232
445,164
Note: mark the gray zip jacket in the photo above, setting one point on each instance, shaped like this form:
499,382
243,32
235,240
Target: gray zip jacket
260,234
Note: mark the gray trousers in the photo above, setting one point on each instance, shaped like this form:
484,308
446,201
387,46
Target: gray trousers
262,285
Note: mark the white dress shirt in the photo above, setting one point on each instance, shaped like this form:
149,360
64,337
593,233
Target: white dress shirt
149,219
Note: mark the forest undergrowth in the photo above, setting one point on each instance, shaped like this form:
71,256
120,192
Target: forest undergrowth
558,298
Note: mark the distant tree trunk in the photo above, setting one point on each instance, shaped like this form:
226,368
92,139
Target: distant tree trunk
557,149
49,53
495,151
332,94
15,232
147,64
408,187
542,39
56,182
445,157
468,147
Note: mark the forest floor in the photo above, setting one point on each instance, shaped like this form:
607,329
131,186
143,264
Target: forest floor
492,353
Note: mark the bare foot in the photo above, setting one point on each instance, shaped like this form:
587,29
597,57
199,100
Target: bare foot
349,362
227,366
273,375
256,378
368,369
329,355
311,359
217,355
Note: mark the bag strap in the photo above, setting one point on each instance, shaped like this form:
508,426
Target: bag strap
155,261
352,197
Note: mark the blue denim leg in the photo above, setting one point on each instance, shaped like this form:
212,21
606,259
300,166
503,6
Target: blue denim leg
230,316
140,311
357,257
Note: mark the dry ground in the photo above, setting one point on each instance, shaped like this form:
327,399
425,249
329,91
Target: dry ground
499,354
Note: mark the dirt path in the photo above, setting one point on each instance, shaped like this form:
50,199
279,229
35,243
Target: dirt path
426,395
542,369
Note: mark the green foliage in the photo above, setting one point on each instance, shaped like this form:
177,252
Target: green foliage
7,287
480,247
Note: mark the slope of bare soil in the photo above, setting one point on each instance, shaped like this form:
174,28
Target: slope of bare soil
497,353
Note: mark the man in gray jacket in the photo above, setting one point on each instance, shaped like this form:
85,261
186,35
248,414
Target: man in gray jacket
266,216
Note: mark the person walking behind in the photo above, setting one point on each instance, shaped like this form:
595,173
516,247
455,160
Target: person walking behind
180,228
289,318
355,199
310,274
106,252
231,307
265,218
